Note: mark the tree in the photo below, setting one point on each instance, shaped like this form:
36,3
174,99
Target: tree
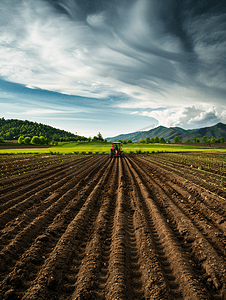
162,140
196,140
152,140
27,140
99,137
119,141
142,141
129,141
204,138
147,140
188,141
212,140
21,139
222,139
94,139
156,139
1,139
168,141
176,140
42,140
35,140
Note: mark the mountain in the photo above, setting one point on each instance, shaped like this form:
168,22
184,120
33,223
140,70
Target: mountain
12,129
218,130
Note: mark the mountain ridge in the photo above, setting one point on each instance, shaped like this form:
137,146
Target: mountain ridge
218,130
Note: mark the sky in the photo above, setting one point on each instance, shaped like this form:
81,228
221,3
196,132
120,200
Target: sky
113,66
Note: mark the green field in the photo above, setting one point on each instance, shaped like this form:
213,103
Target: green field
98,147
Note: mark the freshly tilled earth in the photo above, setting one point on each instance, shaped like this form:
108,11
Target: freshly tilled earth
100,228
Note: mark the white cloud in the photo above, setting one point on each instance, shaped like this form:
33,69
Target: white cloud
41,111
38,111
134,113
187,117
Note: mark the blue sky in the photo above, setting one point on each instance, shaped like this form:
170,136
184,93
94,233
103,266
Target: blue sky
113,67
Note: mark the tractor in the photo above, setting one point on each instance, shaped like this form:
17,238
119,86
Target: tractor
116,150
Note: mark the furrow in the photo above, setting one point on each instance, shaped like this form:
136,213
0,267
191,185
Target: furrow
190,174
73,199
189,284
49,278
153,281
91,277
23,220
18,181
210,223
30,186
22,203
118,285
43,163
205,211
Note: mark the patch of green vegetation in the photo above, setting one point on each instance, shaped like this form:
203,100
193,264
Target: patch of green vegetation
104,147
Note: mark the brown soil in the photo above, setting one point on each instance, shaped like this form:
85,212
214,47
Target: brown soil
211,178
26,165
100,228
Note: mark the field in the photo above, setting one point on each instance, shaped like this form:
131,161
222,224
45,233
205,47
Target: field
101,148
90,227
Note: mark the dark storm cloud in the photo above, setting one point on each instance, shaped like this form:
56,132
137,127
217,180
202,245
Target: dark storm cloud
167,24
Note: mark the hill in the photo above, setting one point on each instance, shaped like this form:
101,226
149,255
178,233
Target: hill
12,129
218,130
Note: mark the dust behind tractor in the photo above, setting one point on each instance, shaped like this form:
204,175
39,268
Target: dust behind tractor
116,150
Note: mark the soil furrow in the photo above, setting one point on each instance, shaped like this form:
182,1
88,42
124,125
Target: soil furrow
22,203
93,272
28,215
207,221
28,187
209,261
196,176
189,285
46,284
117,285
100,228
39,224
206,211
18,181
153,273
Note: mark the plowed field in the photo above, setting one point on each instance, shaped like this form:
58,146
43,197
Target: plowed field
96,228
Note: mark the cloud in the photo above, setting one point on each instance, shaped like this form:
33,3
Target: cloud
187,117
209,39
38,111
141,54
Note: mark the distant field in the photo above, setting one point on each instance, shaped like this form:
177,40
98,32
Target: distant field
85,147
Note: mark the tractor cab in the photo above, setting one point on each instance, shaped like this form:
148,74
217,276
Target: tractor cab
116,149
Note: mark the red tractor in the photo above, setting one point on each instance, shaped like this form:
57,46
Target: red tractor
116,150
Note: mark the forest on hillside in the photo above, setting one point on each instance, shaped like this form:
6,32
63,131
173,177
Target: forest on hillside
12,129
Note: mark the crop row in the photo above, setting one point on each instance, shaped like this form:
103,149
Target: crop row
214,162
22,164
195,171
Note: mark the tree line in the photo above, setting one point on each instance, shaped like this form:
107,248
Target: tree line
14,129
204,139
176,140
